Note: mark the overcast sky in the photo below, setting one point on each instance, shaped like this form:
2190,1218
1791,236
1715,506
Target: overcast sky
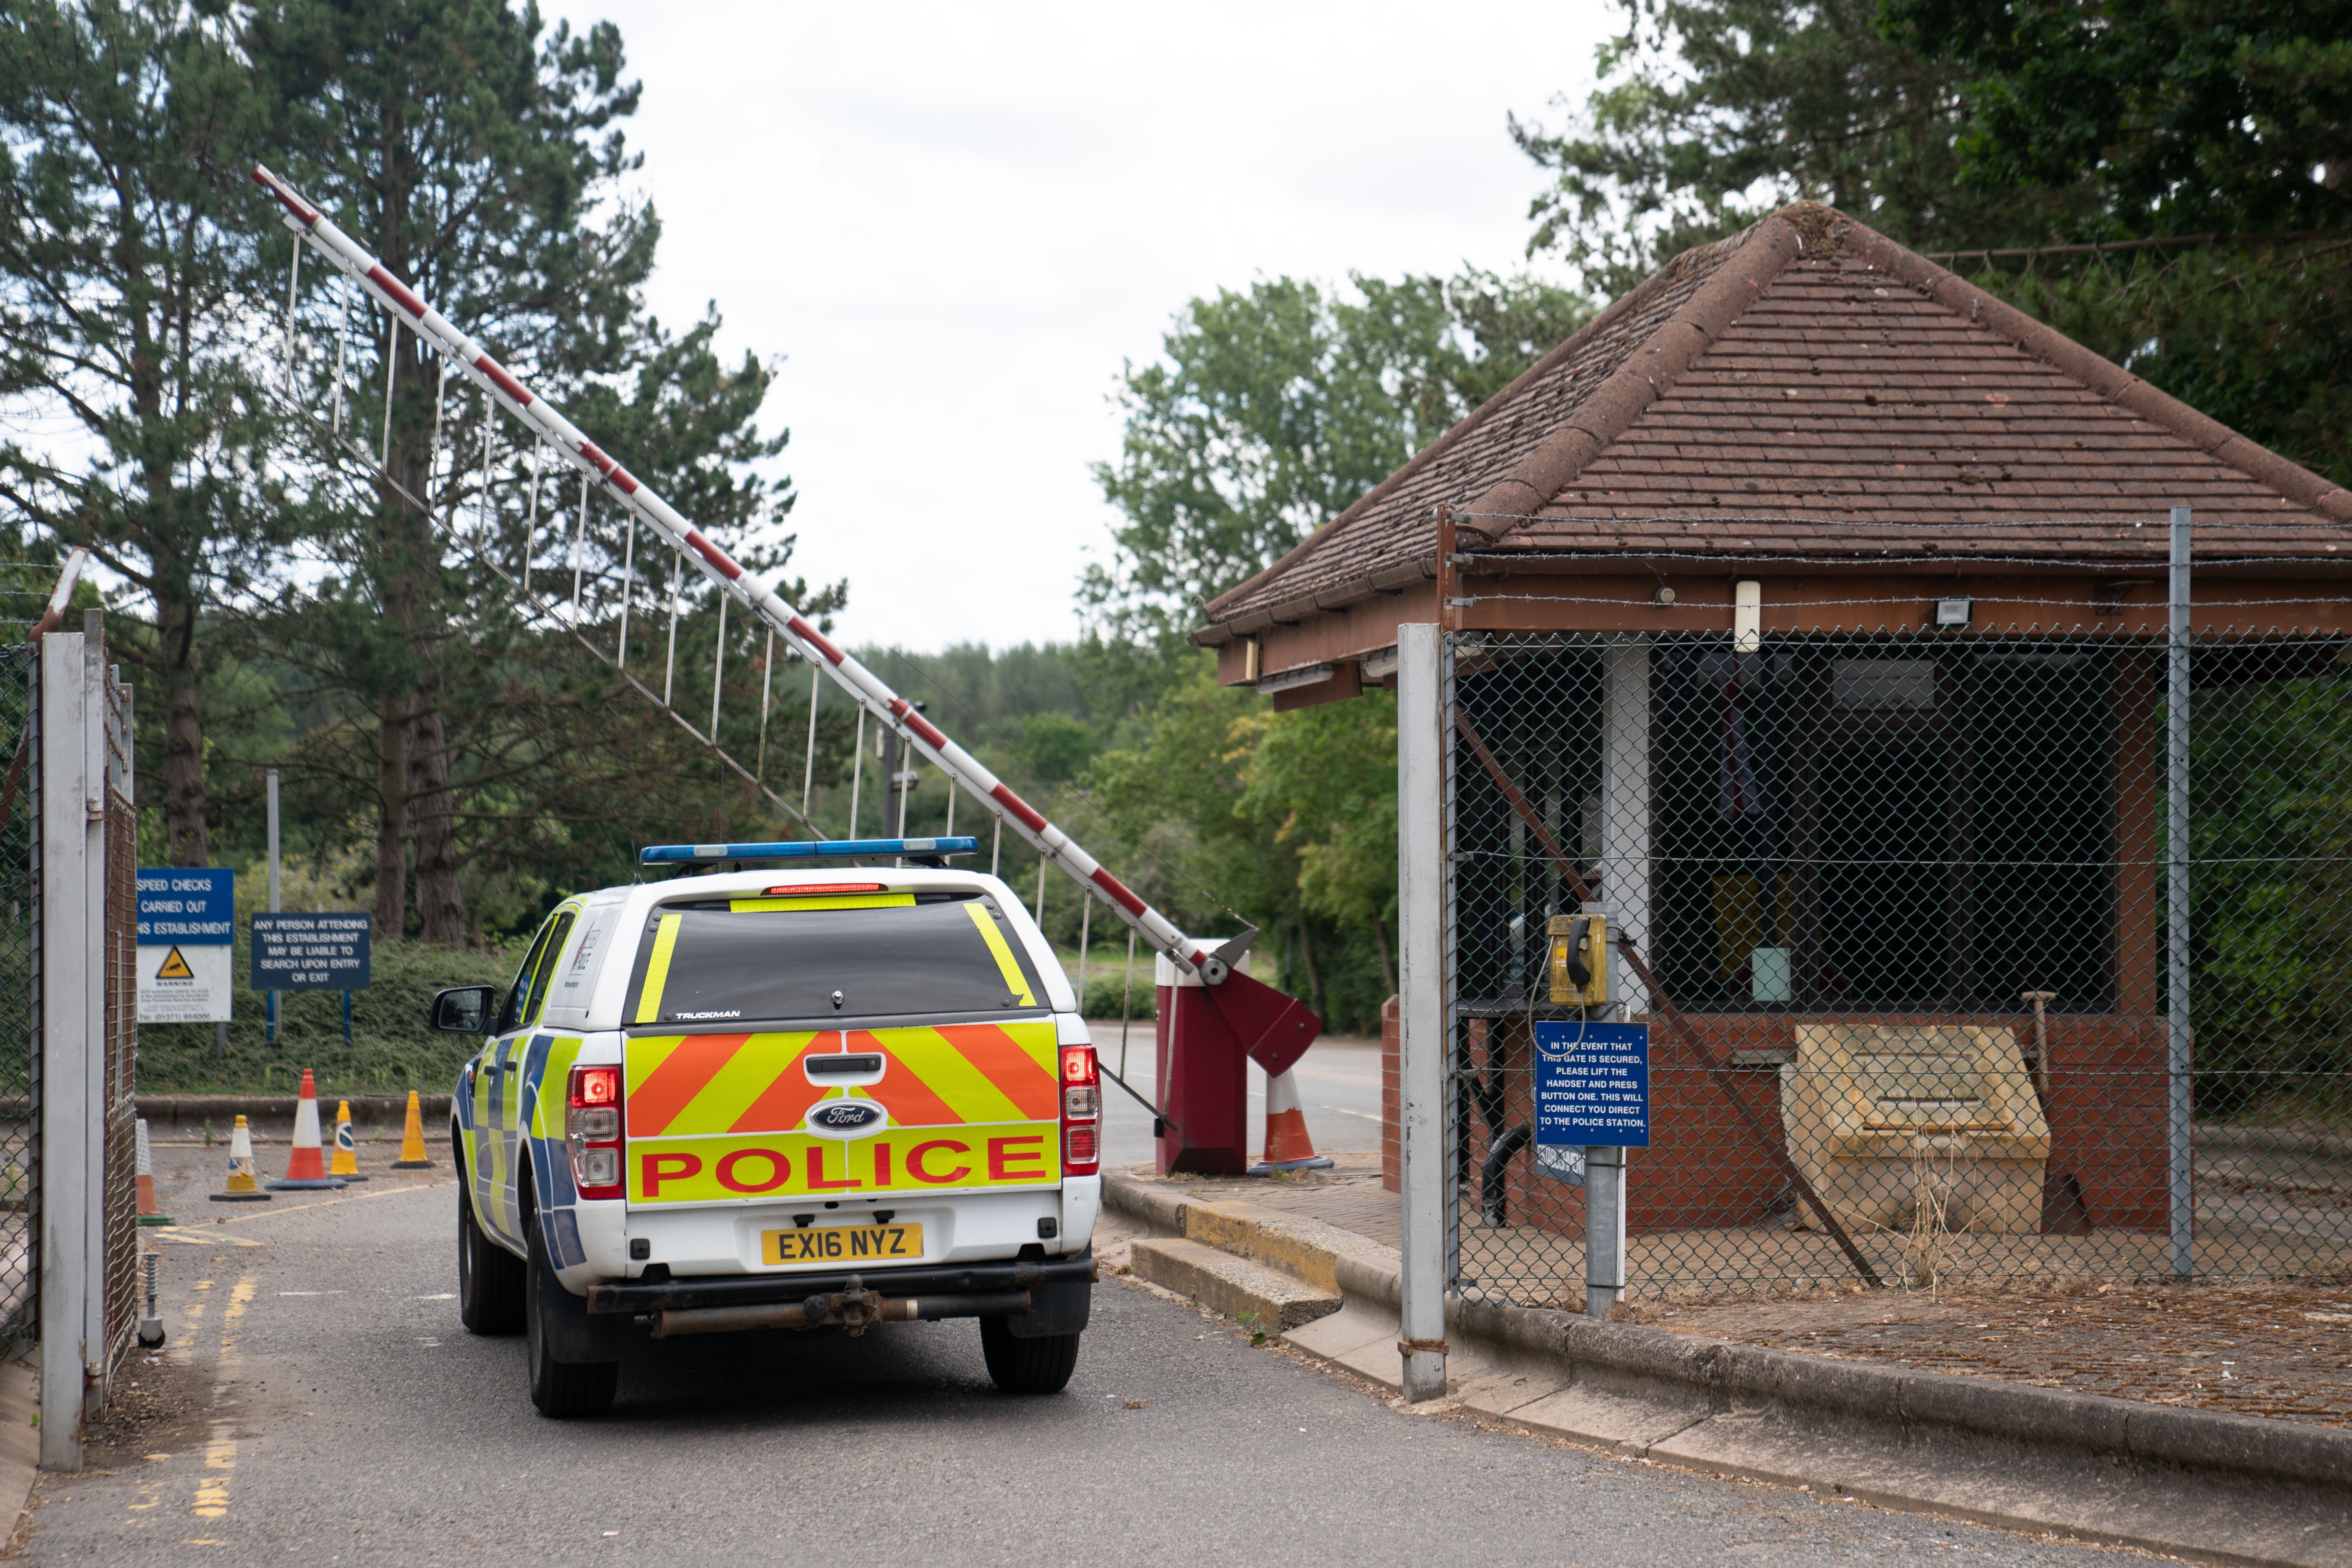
956,221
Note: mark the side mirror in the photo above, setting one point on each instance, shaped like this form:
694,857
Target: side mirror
465,1009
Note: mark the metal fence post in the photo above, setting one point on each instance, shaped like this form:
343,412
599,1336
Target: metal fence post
2180,1041
1421,878
1604,1230
67,1029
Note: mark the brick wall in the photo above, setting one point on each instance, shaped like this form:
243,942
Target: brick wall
1706,1168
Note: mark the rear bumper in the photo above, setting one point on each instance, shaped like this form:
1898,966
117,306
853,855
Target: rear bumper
639,1297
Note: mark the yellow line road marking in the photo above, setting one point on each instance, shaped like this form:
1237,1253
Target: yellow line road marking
212,1492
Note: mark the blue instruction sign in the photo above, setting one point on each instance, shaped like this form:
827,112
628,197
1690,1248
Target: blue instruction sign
311,951
194,906
1593,1085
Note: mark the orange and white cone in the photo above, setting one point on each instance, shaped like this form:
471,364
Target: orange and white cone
345,1161
305,1166
412,1140
148,1213
1288,1146
241,1188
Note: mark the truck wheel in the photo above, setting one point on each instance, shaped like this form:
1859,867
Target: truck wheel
561,1389
489,1278
1027,1366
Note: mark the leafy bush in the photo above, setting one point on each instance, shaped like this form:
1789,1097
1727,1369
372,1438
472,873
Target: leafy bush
392,1048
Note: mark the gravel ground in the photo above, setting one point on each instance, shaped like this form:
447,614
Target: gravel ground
2256,1349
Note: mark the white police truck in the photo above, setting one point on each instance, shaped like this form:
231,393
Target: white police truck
811,1094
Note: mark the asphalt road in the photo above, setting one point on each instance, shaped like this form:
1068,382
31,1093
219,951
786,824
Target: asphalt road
1339,1088
319,1402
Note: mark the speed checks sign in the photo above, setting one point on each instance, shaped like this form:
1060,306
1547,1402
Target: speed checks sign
187,930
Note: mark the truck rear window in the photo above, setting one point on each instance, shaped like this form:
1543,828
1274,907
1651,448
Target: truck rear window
716,966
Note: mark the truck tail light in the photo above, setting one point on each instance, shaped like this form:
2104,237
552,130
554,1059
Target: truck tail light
1081,1113
594,1130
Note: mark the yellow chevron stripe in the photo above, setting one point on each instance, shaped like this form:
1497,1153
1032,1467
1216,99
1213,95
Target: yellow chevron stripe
555,1086
722,1102
1014,985
945,1071
645,1055
833,901
657,969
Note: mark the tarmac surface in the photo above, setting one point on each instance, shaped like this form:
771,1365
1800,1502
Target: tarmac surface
319,1401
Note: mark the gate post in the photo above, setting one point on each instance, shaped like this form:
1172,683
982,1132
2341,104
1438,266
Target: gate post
1421,888
71,825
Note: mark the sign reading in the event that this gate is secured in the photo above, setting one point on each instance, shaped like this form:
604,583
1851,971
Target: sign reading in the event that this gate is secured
1593,1085
187,929
310,952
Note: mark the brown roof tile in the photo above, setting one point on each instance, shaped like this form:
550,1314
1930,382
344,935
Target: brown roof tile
1808,389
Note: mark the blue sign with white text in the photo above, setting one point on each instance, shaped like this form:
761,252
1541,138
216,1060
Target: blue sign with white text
1593,1085
191,906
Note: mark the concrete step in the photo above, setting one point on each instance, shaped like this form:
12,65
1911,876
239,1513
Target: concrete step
1274,1302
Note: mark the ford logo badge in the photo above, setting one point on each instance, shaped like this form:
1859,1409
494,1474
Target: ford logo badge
845,1118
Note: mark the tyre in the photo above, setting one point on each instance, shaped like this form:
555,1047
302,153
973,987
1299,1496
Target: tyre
489,1278
561,1390
1027,1366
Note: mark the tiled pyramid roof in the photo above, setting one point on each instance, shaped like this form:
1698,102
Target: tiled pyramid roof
1809,391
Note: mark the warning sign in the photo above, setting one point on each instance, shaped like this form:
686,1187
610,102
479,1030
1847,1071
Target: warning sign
184,985
187,923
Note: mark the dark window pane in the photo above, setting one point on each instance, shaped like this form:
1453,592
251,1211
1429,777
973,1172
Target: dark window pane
770,965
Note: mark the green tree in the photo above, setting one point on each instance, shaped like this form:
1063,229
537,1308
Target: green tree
465,148
127,290
1270,411
478,152
1712,112
2218,140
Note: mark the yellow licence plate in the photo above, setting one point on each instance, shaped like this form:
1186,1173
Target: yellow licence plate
843,1244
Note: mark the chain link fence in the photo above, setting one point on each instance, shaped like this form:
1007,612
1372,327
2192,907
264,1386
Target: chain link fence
20,1143
1895,907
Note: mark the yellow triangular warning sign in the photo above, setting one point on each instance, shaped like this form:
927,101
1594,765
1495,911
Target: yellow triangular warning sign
176,968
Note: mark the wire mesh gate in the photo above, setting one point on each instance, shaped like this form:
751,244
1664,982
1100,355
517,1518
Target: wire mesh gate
19,1129
1895,906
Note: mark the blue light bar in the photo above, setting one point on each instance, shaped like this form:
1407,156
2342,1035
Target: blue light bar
805,849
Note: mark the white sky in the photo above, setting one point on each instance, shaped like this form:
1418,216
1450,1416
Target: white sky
957,222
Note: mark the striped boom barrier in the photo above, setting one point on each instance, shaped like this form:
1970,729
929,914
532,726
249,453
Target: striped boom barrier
866,688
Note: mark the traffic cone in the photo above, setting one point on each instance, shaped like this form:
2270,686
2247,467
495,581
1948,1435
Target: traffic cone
147,1212
412,1140
241,1188
345,1161
305,1166
1288,1146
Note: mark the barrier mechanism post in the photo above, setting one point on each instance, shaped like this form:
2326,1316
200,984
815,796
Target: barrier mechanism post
2181,1042
1421,885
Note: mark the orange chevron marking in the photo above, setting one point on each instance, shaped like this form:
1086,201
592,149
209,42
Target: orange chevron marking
1004,1063
656,1103
785,1101
902,1091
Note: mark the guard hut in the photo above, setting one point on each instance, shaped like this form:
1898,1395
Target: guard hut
1807,618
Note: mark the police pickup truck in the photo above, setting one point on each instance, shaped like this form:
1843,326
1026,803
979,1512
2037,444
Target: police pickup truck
813,1098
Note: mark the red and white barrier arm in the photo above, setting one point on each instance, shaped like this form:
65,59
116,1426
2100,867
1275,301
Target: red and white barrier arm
862,685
